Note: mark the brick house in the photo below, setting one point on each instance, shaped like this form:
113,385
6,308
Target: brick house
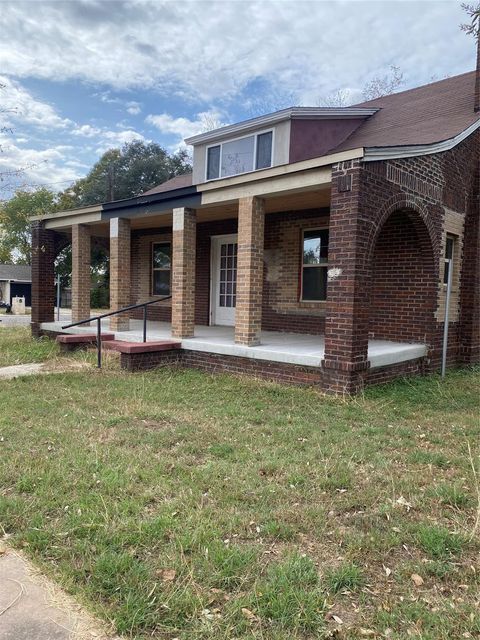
307,245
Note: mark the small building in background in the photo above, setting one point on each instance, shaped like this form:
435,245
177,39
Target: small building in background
15,280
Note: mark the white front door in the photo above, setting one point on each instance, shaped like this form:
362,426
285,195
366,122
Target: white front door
224,280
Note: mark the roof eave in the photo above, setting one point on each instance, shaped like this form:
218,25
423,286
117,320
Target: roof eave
408,151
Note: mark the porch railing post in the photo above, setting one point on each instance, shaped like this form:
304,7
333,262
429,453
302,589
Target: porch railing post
145,323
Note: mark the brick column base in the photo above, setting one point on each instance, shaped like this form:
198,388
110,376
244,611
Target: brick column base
183,272
119,272
248,312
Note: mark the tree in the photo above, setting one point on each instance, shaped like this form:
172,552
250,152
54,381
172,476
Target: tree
380,86
473,27
15,220
377,87
125,173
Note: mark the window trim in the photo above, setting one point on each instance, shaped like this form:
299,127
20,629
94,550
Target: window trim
308,266
153,269
220,144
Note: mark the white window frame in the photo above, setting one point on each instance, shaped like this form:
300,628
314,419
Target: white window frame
153,269
308,266
255,135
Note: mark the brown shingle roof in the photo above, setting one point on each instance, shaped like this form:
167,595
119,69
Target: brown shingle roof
178,182
425,115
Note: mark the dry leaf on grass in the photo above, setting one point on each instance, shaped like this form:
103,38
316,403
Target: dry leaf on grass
167,575
249,615
418,580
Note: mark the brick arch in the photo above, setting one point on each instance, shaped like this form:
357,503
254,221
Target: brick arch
403,275
419,215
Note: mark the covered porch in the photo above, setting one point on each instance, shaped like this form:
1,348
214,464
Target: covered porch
289,348
284,272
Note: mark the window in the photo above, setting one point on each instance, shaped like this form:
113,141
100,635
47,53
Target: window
449,255
240,156
161,267
314,264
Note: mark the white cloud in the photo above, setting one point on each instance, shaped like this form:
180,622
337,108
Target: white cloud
18,104
134,108
183,128
214,51
38,166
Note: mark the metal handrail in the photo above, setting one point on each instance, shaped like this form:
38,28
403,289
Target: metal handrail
98,320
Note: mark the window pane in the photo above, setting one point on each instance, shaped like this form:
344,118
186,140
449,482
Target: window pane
445,272
213,163
161,283
449,248
315,247
264,150
314,283
237,156
161,256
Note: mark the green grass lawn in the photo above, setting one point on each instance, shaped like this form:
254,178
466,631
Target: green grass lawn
181,505
16,347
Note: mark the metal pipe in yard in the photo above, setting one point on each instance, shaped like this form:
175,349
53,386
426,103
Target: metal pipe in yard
99,343
58,297
447,309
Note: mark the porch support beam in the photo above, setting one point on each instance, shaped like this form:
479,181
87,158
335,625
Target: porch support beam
251,229
43,275
183,272
81,280
119,272
346,326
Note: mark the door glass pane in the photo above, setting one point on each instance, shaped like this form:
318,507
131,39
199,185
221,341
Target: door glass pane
161,283
264,150
314,283
213,163
315,247
237,156
228,275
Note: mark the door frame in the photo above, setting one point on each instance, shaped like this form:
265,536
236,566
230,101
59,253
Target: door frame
214,243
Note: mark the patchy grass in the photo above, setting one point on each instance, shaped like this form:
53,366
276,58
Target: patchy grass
17,347
347,576
181,505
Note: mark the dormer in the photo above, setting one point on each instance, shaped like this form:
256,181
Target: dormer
283,137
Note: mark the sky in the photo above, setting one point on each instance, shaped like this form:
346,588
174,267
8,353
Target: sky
78,78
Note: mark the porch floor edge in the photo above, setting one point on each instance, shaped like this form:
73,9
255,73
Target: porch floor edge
287,348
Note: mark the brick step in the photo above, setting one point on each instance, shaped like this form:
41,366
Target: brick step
141,347
72,341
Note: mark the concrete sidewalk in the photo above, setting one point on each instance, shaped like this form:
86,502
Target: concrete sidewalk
34,608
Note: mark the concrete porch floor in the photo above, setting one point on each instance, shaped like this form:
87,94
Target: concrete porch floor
293,348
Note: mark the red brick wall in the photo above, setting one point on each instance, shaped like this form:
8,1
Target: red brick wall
403,282
364,197
281,309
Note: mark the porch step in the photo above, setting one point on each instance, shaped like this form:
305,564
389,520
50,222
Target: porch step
141,347
72,341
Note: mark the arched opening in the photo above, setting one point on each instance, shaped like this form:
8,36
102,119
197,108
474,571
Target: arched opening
403,281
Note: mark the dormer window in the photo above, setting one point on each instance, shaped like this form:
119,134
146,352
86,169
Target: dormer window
241,155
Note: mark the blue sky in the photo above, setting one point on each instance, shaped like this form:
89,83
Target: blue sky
82,77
